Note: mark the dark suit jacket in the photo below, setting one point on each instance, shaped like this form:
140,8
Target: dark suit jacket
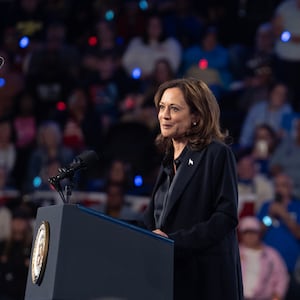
201,217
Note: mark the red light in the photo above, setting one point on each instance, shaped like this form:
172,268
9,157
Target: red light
61,106
203,64
93,41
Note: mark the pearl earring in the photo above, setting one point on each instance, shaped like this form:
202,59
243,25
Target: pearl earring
194,123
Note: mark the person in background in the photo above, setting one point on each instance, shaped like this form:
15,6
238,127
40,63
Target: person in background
281,217
208,61
143,52
269,111
24,122
195,198
8,149
265,274
11,84
80,123
52,70
264,145
49,148
115,205
254,188
15,255
286,158
286,26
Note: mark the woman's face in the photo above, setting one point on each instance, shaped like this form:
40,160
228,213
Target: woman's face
174,114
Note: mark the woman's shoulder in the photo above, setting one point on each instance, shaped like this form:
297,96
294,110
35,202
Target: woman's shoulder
217,149
217,145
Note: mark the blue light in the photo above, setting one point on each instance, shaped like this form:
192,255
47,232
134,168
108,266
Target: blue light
143,5
109,15
24,42
138,180
120,40
136,73
2,82
267,221
37,181
285,36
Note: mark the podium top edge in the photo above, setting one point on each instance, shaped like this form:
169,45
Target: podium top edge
122,223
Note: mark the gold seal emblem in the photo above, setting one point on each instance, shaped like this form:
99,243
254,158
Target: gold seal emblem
39,253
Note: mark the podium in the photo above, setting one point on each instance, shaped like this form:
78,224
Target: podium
81,254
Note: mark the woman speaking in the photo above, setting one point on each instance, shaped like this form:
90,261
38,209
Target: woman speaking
194,200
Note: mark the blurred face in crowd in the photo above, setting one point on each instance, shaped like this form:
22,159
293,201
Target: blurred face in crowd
115,197
251,238
278,96
246,168
174,115
154,28
163,71
263,134
117,172
19,228
283,186
5,133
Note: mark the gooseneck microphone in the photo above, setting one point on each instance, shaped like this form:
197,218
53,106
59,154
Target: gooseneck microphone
85,160
82,161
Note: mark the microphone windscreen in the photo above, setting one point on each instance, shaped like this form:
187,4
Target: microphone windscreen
88,158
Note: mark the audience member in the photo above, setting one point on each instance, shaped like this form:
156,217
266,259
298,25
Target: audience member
52,70
268,111
208,61
286,158
183,22
140,106
49,147
8,151
131,21
5,220
9,193
28,18
14,256
143,51
253,68
115,204
106,40
25,128
11,83
286,24
264,145
254,188
80,123
265,274
281,217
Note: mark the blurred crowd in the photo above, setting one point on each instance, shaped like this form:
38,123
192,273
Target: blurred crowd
81,75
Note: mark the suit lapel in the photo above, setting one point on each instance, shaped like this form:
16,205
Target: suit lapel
184,174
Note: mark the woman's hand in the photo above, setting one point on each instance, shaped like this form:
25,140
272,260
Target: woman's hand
158,231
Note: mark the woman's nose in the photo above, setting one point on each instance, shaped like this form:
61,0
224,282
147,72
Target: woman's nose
166,114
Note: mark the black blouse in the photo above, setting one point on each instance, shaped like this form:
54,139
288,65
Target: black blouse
162,193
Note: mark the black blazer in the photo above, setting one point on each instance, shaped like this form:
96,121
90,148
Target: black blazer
201,217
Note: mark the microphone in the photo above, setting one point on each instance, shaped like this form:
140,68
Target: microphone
82,161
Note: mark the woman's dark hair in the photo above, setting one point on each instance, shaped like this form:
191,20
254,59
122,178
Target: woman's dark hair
203,104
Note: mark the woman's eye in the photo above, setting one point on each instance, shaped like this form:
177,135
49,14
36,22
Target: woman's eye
174,108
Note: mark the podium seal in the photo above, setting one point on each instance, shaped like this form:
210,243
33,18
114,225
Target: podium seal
40,253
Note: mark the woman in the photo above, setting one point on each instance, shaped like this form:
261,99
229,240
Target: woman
194,200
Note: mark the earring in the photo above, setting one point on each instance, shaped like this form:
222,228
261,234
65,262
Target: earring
194,123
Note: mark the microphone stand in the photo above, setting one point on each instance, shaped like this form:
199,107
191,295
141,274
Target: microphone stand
55,182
